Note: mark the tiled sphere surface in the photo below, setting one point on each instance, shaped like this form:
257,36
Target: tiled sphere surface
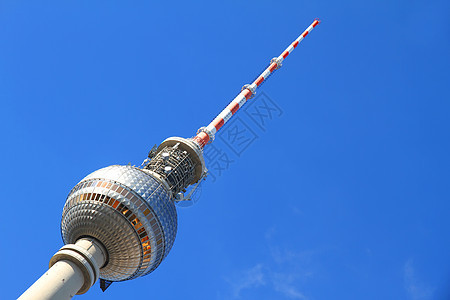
130,212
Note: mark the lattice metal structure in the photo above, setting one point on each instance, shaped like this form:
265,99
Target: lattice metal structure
120,222
174,165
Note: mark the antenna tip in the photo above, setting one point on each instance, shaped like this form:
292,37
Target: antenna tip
316,22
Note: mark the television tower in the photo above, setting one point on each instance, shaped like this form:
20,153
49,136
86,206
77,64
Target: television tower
120,222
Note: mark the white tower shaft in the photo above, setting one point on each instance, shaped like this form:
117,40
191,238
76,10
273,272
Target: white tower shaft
73,270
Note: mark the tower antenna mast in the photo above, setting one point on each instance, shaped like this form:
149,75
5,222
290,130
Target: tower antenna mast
206,134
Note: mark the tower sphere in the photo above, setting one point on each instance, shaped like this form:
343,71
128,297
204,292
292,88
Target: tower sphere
130,211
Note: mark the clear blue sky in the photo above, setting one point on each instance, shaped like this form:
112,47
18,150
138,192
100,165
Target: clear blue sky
344,194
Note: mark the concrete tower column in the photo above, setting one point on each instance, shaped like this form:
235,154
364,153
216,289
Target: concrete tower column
72,270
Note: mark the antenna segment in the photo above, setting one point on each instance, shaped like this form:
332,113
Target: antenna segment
206,134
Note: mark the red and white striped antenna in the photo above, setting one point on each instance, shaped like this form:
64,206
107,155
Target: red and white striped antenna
206,134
